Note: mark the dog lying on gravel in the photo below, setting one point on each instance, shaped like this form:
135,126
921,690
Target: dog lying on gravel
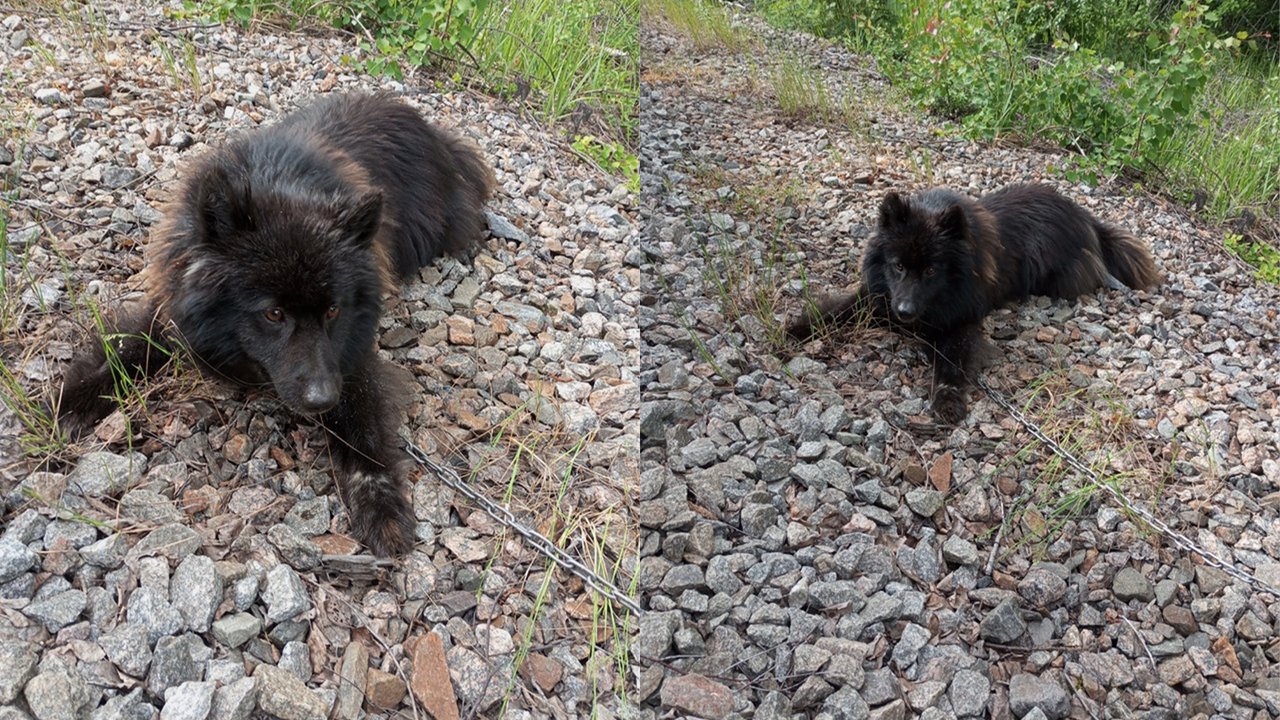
940,262
270,265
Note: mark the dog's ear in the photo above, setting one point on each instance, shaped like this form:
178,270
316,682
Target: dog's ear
953,222
894,210
222,203
359,217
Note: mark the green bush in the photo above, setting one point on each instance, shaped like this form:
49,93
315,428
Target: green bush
1154,88
414,32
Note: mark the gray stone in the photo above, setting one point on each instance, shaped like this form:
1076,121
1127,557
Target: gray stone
681,578
812,692
236,700
835,594
293,547
189,701
17,666
1028,692
501,227
1042,588
93,88
1004,623
50,96
58,611
846,704
76,534
1130,584
15,559
881,607
224,671
774,706
282,694
148,608
969,693
107,553
914,638
171,665
173,541
469,673
959,551
924,502
235,630
195,591
653,638
116,177
809,659
296,658
757,518
102,473
125,707
896,710
149,506
926,694
310,517
285,595
58,694
127,647
24,529
244,591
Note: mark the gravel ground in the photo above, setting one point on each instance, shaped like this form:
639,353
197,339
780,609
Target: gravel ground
814,546
195,559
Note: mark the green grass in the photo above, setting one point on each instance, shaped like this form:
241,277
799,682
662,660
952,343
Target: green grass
1169,93
39,432
539,471
575,64
1097,426
1264,257
1234,158
613,158
578,61
181,64
705,23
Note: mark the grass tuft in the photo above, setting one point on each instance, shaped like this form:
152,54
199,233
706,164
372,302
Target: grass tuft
577,60
543,475
706,25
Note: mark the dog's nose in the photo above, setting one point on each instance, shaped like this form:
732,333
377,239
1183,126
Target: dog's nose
319,395
905,309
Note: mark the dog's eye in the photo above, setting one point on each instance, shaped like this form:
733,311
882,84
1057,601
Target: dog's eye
898,266
928,272
331,313
274,314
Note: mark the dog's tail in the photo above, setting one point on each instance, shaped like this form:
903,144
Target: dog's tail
1126,257
826,313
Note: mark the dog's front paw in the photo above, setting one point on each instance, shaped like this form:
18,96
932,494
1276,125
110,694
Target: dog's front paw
799,328
949,404
381,517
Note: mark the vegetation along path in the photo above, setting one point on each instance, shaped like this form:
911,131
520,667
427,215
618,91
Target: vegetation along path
813,543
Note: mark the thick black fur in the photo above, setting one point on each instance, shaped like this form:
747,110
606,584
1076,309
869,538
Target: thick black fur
270,267
940,262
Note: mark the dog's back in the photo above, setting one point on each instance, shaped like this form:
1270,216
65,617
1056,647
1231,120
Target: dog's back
1054,247
433,183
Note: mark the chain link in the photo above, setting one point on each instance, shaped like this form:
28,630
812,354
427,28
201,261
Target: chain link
1094,479
535,539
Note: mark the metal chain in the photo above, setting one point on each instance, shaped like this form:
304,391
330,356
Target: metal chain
535,539
1093,477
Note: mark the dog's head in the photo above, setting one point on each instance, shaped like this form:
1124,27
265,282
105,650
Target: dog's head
288,278
918,254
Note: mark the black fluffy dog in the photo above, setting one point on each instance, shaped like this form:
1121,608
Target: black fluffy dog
939,262
270,267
